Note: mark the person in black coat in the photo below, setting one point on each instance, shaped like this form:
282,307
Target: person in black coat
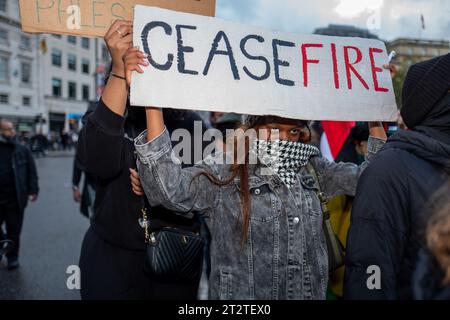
113,251
18,184
387,217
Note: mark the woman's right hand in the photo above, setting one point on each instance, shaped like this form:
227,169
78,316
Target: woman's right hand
133,59
118,39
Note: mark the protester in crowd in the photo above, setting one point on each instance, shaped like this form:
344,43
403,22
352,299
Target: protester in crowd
39,144
355,149
274,248
113,251
431,279
386,219
18,184
65,140
86,196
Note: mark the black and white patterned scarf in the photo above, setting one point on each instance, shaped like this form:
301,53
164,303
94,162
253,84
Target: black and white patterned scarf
285,158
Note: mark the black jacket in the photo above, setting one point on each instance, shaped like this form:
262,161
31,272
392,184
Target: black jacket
25,173
107,154
388,214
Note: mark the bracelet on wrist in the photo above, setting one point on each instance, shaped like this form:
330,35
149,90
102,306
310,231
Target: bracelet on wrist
117,76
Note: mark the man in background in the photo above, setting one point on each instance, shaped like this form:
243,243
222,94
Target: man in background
18,183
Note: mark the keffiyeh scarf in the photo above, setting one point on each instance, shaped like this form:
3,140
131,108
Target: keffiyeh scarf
285,158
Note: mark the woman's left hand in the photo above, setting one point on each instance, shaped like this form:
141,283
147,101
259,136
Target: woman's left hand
376,130
392,69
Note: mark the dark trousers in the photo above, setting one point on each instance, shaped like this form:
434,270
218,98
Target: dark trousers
112,273
12,216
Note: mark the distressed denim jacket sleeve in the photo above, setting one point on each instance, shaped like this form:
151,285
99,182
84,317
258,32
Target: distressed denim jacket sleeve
342,178
167,184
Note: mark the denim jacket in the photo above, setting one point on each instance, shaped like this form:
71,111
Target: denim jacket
285,254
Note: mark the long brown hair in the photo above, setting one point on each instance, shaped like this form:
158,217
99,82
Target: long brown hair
240,168
438,231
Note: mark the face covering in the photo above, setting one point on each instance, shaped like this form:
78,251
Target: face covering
285,158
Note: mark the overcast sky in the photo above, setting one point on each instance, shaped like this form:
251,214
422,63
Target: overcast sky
389,18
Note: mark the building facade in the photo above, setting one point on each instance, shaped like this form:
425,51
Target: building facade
47,81
410,51
68,68
18,70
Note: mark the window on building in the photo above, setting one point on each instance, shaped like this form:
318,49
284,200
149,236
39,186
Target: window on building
4,69
57,57
72,39
3,6
72,62
85,66
72,90
4,98
85,42
86,92
25,43
57,36
4,37
26,101
26,72
56,87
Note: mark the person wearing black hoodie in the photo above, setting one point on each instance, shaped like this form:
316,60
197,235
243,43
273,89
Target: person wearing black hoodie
387,217
113,250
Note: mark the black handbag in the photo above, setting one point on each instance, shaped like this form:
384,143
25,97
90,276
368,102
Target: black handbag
173,254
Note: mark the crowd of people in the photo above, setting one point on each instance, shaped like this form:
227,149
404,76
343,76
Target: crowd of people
260,201
40,144
265,236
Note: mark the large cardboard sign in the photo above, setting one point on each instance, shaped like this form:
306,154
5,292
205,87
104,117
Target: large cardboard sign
93,17
209,64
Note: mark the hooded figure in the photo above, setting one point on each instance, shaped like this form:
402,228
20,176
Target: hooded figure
388,213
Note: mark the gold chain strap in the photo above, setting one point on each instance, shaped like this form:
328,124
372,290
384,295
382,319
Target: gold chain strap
144,215
150,238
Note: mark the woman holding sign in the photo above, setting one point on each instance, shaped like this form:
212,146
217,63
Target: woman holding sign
113,250
264,216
